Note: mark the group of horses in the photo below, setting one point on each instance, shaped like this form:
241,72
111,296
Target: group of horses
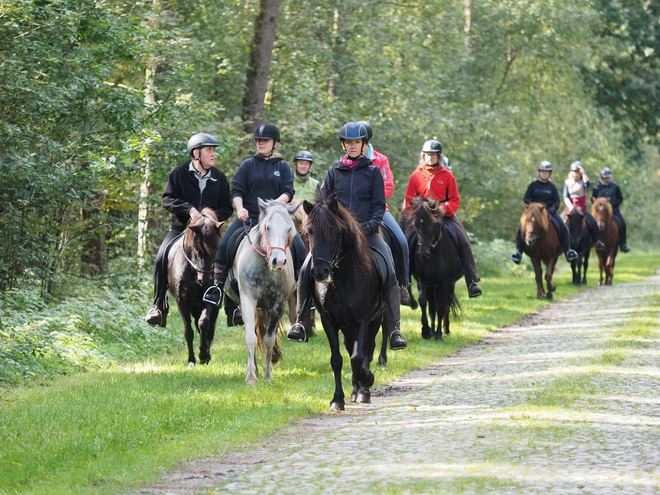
541,243
350,283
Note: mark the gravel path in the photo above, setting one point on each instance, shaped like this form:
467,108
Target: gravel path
566,402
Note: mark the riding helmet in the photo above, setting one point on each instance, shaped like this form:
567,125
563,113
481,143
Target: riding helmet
545,165
606,172
201,140
304,155
575,166
432,146
267,131
353,130
370,131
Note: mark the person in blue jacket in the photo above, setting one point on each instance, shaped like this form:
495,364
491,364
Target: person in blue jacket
358,185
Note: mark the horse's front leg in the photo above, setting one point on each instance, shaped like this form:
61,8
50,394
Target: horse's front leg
270,339
206,325
610,269
550,270
188,333
427,333
538,275
585,265
601,267
336,362
386,331
248,309
360,361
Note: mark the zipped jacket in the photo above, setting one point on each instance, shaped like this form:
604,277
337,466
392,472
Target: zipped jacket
611,190
543,192
436,182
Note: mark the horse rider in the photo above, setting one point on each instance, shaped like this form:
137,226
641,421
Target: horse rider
358,185
575,194
264,175
607,188
304,184
545,192
191,186
399,246
432,179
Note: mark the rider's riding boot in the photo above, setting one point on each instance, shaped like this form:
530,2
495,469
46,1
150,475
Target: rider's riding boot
234,315
516,257
599,245
301,329
213,294
393,314
156,316
571,255
474,290
625,248
405,295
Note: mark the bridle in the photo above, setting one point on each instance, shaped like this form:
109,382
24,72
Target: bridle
434,243
247,226
336,258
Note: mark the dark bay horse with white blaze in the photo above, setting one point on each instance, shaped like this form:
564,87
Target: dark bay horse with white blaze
349,291
581,242
189,274
609,234
263,268
437,266
541,244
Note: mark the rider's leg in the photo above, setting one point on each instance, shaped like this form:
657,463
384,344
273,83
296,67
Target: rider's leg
564,236
517,256
298,252
623,231
465,253
300,330
157,315
592,224
213,294
400,254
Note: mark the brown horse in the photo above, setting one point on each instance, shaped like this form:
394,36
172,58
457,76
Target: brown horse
189,274
541,244
609,234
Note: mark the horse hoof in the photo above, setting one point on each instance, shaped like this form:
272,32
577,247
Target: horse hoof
548,296
250,381
427,334
364,397
191,364
354,397
438,337
336,406
382,361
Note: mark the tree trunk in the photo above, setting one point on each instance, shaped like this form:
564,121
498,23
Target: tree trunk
261,53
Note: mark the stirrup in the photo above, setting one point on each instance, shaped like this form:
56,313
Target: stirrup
397,340
297,333
474,290
571,255
516,257
600,246
211,297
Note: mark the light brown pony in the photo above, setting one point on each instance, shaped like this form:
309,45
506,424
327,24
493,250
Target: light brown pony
609,234
541,244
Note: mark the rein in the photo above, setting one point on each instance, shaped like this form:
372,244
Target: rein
269,249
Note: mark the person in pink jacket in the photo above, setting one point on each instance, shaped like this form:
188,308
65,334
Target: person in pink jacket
431,178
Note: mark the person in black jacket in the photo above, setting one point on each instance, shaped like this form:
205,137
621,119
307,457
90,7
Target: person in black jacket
358,185
192,186
544,191
265,175
607,188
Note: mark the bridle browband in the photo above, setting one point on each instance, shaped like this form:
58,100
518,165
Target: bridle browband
247,226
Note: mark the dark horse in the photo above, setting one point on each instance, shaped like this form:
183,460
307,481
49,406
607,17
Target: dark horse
541,244
437,266
189,274
581,241
349,291
609,234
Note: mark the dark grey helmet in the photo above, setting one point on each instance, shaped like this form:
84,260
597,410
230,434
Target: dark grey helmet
201,140
353,130
606,172
432,146
575,166
267,131
304,155
545,165
370,131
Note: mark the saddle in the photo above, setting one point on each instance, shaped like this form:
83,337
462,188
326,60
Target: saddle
382,270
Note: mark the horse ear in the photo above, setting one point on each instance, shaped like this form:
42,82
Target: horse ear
219,224
307,206
333,206
262,204
293,208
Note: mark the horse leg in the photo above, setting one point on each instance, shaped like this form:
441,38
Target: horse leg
610,269
293,305
360,359
538,273
206,326
575,269
386,330
188,333
427,333
601,266
248,307
585,265
336,361
270,339
436,306
549,272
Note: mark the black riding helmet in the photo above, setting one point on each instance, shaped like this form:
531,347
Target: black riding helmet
432,146
370,131
267,131
200,140
304,155
353,130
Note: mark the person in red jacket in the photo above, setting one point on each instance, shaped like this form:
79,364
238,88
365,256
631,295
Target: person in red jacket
431,178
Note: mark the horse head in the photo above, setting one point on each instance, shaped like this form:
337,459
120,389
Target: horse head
427,215
333,234
534,222
602,212
575,221
276,230
201,239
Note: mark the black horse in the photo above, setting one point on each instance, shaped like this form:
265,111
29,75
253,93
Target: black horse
350,292
581,242
436,265
189,274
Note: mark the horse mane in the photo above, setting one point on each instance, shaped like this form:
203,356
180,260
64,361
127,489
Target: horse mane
539,213
325,222
601,204
576,211
427,208
205,234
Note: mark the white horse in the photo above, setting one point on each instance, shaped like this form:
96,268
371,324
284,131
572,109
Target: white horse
263,268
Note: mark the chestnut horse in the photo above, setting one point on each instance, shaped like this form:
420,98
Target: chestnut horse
189,274
609,234
541,244
581,242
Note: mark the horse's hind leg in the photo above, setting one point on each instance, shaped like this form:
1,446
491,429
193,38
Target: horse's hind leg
270,339
538,275
250,341
206,325
336,361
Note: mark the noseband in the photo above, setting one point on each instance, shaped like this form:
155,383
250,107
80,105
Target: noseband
336,258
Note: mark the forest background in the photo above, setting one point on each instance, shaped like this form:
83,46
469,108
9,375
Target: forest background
98,100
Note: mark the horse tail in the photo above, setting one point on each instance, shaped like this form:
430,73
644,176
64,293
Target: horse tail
453,306
261,325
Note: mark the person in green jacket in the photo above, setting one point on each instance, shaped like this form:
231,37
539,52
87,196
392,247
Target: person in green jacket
303,182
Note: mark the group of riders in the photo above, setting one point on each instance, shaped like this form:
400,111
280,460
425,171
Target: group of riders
362,181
